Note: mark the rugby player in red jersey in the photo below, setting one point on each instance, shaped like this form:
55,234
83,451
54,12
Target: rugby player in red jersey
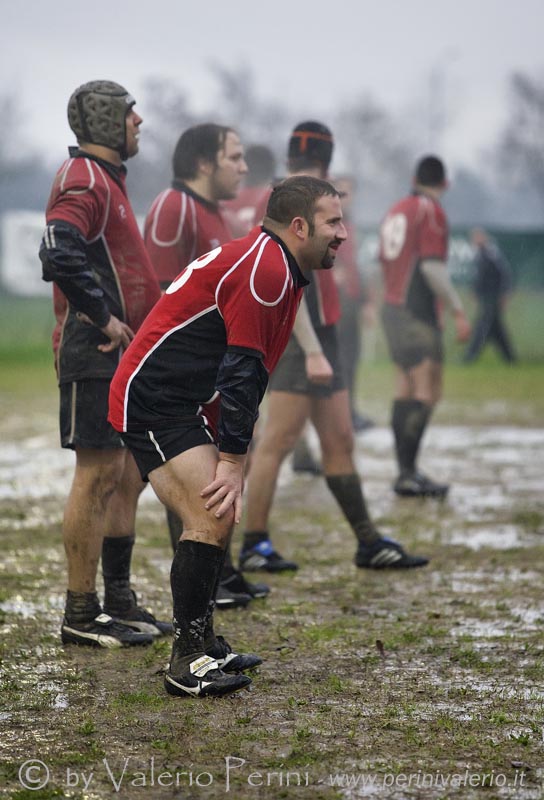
104,286
308,383
185,398
184,222
413,255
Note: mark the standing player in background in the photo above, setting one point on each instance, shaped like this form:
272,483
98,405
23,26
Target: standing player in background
246,209
185,222
104,286
413,255
186,397
357,302
308,383
492,285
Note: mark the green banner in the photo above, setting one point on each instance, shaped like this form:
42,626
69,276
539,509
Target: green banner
523,249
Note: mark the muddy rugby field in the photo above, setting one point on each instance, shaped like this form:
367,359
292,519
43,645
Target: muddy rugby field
427,684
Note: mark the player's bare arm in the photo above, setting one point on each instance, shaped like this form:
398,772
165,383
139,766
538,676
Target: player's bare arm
318,368
438,279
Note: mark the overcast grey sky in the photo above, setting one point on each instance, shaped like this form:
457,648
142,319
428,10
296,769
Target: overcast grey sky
311,53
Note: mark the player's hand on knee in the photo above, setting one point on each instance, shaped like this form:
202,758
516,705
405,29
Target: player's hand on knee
225,491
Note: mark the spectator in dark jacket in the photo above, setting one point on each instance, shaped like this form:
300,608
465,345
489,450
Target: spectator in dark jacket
492,285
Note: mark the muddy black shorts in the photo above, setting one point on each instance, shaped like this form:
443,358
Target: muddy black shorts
410,340
151,448
290,373
84,416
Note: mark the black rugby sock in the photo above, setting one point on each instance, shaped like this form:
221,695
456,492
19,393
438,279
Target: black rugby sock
228,568
193,577
116,558
223,572
348,493
251,538
409,421
81,607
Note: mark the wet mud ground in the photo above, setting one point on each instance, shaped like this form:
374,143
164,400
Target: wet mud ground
426,684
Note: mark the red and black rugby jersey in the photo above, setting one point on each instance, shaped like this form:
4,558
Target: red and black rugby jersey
415,229
179,227
321,295
90,194
242,297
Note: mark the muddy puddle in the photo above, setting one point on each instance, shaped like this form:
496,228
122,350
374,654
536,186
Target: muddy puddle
367,677
490,469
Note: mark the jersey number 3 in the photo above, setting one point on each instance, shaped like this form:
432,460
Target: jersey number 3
198,263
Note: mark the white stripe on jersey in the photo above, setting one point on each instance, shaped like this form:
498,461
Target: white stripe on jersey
254,270
156,214
92,168
92,178
192,205
259,239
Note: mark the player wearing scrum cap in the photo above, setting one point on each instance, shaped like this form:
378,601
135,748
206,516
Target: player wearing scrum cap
308,383
104,286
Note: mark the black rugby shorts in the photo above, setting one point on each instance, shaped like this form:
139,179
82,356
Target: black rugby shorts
152,448
84,416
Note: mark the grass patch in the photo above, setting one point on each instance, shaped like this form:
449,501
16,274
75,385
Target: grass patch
363,672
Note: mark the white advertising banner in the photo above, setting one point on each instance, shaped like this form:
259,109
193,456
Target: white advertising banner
20,266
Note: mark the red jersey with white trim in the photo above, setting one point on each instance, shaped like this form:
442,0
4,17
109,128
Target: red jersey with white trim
415,229
321,295
241,297
179,227
90,194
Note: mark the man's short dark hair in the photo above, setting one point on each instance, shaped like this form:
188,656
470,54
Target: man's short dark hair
297,197
430,171
199,142
311,145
